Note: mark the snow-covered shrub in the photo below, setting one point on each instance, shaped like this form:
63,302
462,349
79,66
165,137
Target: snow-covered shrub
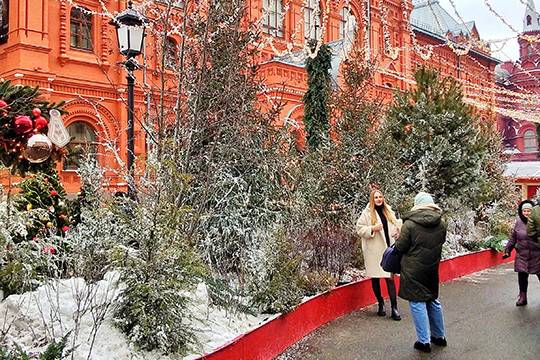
27,264
275,281
327,249
317,281
56,350
462,234
273,276
153,306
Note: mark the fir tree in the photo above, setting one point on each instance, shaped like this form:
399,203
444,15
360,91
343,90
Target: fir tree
316,114
438,138
44,197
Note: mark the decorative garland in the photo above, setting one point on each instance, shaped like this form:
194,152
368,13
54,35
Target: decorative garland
30,138
424,51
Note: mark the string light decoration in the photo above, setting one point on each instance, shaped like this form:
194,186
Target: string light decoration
470,44
392,52
425,52
294,41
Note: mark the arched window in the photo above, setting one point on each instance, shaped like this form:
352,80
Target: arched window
83,141
273,17
81,29
347,22
530,143
4,21
171,53
529,20
312,20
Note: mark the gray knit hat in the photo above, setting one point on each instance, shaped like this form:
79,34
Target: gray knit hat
423,198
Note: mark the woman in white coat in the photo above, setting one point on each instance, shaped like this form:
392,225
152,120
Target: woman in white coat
378,229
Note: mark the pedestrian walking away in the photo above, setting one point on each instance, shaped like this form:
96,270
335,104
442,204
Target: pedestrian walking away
378,228
422,236
527,251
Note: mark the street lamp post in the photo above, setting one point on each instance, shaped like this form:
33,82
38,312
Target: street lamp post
130,29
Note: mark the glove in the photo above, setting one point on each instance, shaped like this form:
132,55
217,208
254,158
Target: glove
506,255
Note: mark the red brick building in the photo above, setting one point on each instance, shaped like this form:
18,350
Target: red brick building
68,48
523,76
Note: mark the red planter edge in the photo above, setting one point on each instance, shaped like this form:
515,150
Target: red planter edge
273,337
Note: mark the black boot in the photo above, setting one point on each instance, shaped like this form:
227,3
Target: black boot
422,347
382,310
441,341
522,300
395,314
376,285
393,299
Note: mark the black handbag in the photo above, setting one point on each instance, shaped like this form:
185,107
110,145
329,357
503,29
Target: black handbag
391,260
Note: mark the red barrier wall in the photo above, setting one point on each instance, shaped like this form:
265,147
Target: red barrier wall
273,337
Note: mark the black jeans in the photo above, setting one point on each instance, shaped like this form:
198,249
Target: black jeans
523,281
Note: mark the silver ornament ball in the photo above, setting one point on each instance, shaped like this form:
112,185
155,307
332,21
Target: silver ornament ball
38,148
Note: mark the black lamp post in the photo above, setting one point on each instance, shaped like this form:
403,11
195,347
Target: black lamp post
130,29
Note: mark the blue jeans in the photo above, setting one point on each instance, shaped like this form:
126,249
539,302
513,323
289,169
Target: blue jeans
428,319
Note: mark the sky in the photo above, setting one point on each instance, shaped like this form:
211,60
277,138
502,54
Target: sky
489,25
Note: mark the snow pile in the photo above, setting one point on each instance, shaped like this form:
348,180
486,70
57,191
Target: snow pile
53,310
215,327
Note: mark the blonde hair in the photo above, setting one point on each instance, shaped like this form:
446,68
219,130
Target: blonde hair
386,209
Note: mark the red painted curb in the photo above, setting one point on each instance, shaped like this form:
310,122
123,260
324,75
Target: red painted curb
272,338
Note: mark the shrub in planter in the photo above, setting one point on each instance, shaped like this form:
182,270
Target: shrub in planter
494,242
328,248
317,281
276,281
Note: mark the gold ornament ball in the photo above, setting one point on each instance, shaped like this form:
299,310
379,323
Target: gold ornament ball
29,207
38,148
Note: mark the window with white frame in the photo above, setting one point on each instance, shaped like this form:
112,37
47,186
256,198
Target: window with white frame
83,141
273,17
530,143
312,20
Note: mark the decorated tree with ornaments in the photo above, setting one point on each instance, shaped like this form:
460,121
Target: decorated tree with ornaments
31,132
44,198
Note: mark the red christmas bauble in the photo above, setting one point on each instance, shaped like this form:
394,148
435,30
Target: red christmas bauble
23,124
54,193
40,122
36,112
3,104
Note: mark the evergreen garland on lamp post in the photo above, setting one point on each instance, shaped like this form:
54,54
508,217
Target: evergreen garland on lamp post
316,98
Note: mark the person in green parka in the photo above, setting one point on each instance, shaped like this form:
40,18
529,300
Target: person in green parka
421,239
533,225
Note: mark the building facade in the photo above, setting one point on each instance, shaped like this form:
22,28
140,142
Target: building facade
68,48
520,138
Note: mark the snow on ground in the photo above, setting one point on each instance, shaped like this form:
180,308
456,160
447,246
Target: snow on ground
216,326
53,310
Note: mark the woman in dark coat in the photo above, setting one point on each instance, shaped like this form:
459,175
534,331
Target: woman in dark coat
422,236
527,251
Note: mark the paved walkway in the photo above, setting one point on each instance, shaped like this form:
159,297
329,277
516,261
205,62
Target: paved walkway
482,322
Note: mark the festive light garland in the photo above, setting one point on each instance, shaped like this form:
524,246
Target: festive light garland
392,52
425,55
424,51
